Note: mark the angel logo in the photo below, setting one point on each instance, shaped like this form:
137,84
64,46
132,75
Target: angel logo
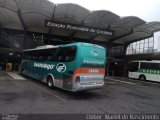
94,53
61,67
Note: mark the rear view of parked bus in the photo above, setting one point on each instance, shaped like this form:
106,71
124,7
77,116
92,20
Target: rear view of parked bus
145,70
73,67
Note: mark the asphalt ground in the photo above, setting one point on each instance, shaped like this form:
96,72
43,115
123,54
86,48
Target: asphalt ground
118,96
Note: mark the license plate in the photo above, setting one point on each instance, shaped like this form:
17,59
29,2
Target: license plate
91,83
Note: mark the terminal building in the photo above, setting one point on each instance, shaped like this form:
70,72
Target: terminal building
26,24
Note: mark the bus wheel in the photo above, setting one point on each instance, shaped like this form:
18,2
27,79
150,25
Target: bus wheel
50,82
23,71
142,77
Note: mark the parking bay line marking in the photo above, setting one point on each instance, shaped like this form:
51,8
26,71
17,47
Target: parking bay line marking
148,82
53,94
122,81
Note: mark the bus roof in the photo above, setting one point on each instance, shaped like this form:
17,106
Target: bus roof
147,61
82,43
42,47
66,45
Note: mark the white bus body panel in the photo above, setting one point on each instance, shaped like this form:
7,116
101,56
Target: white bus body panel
151,77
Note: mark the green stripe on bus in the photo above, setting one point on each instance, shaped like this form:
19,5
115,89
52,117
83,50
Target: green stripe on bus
149,71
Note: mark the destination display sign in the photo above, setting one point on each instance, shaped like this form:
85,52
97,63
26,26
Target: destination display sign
74,27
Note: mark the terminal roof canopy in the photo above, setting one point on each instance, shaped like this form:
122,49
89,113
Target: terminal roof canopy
30,15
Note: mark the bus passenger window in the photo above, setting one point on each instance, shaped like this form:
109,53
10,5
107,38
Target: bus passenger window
49,58
65,54
70,54
60,58
40,58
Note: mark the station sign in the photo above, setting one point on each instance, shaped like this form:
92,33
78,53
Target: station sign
75,27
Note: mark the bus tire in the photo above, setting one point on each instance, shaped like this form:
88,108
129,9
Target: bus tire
50,83
22,71
142,77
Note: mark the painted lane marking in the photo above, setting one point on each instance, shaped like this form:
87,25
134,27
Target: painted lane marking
15,76
122,81
146,82
51,93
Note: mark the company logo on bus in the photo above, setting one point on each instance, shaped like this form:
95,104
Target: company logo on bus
44,65
61,67
94,53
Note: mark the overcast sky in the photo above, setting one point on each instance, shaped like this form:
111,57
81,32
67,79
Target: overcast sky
148,10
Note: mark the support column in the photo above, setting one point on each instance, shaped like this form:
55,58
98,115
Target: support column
0,32
25,40
125,62
50,29
24,27
19,13
108,57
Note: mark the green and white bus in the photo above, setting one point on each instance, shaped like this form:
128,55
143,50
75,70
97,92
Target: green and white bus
145,70
73,67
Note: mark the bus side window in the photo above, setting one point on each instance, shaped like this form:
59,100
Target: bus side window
40,58
155,66
59,55
27,56
49,58
65,54
158,66
148,66
49,54
71,53
60,58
